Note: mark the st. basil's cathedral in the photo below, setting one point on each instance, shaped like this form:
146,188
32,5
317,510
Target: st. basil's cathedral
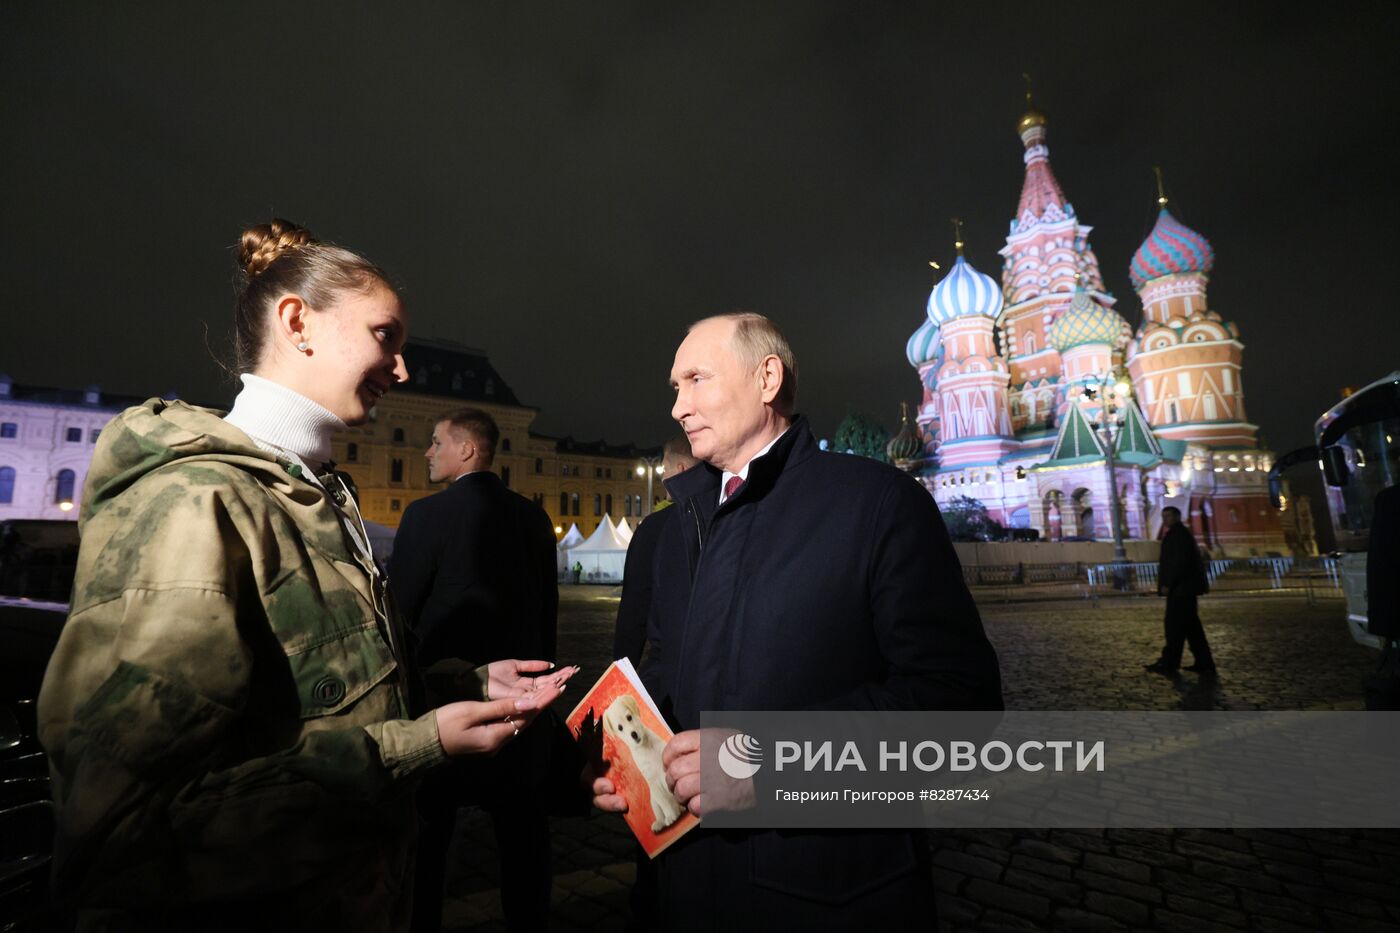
1030,385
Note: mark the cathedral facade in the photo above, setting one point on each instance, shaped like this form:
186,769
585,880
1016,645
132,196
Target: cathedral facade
1044,404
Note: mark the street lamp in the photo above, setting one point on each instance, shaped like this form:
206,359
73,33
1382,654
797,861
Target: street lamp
652,467
1109,427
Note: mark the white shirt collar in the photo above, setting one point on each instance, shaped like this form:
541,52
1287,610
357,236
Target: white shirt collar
279,419
743,473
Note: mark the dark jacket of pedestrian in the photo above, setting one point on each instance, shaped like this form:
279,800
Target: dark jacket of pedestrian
827,581
1179,567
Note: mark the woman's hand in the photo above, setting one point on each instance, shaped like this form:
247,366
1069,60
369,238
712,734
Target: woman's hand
509,678
472,728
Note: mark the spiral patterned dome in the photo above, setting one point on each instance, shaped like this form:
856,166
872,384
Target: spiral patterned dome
1085,321
1171,247
964,292
923,346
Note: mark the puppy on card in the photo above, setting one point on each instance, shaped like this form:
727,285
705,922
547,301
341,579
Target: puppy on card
633,735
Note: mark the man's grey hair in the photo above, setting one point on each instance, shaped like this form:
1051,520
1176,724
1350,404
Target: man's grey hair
756,337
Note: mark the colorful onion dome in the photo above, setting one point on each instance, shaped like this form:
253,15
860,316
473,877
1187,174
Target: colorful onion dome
923,345
964,292
905,445
1085,321
1171,247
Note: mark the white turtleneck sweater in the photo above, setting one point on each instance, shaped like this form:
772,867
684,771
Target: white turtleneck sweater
287,424
284,422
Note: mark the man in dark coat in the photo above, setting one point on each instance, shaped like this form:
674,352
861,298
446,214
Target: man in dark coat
631,633
790,578
1181,578
473,572
629,641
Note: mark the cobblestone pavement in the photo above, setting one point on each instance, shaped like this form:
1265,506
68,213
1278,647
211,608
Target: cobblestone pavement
1273,652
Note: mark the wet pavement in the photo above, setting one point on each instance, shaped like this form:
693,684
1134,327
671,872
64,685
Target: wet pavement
1273,652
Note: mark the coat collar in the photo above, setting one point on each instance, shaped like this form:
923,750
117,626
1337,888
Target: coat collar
795,446
477,478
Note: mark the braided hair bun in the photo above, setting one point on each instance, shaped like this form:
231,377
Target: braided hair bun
260,246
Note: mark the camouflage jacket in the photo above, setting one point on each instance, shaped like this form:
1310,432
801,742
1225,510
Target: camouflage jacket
224,713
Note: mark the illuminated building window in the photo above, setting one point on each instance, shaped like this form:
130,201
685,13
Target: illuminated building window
574,500
7,485
394,505
73,435
9,429
63,487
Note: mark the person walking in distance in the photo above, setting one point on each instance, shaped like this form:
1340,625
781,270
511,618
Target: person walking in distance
1181,578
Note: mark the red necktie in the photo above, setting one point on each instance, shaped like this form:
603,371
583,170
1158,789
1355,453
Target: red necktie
731,487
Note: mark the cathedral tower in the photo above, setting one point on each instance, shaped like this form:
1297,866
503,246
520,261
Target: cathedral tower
975,426
1047,255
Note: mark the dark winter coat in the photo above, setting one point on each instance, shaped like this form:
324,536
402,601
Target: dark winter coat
828,581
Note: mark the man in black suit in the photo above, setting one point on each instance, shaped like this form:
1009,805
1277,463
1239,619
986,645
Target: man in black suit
790,578
1181,578
630,639
473,572
631,633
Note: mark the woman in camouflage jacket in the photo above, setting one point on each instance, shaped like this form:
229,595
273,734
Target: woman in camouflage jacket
225,713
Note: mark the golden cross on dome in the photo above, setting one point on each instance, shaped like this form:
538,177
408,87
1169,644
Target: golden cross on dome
957,235
1161,192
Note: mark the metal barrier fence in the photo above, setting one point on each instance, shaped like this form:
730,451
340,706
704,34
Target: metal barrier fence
1314,576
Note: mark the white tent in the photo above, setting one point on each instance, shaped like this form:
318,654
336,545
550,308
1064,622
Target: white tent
602,555
573,539
624,531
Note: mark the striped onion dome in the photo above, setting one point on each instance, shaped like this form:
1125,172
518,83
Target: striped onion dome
1171,247
923,345
964,292
1085,321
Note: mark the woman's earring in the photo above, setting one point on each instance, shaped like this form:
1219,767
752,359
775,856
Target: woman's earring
303,346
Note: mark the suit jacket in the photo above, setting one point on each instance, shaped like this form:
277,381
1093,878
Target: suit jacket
827,582
474,574
1179,566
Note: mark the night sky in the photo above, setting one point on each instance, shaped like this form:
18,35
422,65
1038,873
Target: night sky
568,185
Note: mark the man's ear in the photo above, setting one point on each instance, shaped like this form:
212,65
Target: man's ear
770,377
